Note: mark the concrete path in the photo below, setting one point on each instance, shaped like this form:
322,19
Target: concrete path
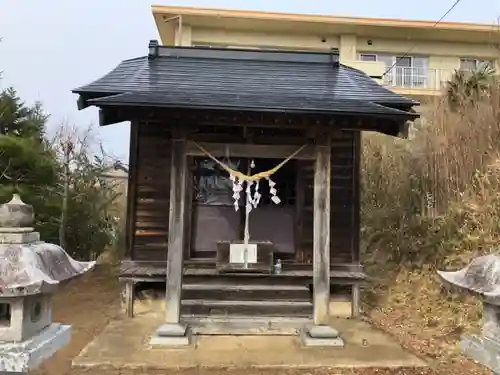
124,345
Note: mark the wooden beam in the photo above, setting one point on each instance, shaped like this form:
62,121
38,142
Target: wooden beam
321,237
387,125
131,190
250,150
109,116
175,257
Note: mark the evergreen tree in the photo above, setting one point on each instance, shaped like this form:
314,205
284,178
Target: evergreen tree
27,164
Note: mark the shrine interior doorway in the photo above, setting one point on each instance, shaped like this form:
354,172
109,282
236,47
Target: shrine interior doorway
215,219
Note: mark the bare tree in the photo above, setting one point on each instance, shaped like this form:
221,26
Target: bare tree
86,196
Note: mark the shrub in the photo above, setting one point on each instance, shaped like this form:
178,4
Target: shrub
434,199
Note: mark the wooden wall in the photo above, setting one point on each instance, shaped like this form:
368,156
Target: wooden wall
344,200
151,195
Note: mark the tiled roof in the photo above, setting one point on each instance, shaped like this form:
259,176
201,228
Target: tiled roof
244,80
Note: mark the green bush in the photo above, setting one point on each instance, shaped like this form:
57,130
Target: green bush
61,177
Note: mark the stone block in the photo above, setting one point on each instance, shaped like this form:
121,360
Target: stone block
19,238
21,357
171,330
321,336
172,335
484,350
23,317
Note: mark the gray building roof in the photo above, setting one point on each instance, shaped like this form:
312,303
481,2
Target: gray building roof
205,78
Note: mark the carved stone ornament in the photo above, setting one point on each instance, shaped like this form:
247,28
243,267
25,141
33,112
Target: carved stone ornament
28,265
481,278
30,271
16,213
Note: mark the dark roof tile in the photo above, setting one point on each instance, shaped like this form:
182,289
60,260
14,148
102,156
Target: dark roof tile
240,79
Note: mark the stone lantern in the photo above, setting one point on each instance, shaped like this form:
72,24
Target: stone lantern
30,271
481,278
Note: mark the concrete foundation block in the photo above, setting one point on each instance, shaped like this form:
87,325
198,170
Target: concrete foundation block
21,357
321,336
171,330
172,335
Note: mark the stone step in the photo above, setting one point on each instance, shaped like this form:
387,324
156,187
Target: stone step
259,308
245,292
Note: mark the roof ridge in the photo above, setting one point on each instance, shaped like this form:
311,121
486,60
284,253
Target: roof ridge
327,57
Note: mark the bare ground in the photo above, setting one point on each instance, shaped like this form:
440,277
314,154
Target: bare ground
414,312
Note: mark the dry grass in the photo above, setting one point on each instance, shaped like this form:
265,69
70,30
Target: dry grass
431,202
415,188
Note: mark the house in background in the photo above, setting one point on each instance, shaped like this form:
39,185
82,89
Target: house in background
419,55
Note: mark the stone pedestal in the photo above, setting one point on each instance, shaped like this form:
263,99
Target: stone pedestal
321,335
483,350
172,335
25,356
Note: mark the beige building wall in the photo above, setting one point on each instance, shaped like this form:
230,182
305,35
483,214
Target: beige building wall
443,57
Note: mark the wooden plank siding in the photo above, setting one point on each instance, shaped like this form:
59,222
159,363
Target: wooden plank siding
150,215
344,196
152,192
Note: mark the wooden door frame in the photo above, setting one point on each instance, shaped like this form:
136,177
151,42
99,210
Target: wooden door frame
246,151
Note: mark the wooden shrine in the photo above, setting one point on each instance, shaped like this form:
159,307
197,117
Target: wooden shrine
194,110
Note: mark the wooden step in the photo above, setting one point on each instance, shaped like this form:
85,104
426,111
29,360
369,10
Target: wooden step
258,308
206,277
245,292
246,325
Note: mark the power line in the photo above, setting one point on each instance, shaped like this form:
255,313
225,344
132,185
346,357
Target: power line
415,44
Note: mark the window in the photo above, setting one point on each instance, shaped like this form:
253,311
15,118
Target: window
36,311
468,64
367,57
404,61
405,71
212,185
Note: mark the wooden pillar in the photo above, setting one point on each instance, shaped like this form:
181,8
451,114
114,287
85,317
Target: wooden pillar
188,224
175,258
128,288
131,190
129,298
321,334
299,210
355,303
356,293
321,237
173,332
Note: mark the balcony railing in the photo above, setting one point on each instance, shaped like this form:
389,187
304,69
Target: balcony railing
416,78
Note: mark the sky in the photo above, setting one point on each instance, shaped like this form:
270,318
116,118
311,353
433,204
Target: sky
50,47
